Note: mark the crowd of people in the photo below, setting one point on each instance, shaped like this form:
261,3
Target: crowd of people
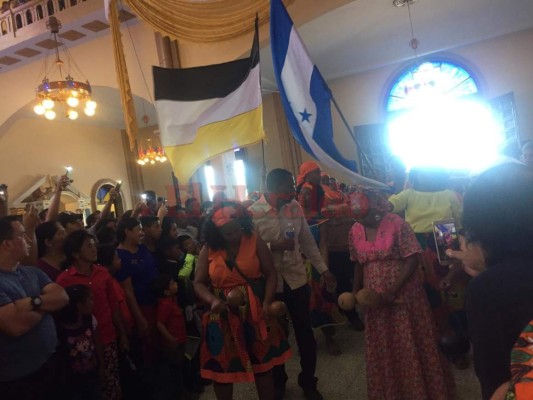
161,301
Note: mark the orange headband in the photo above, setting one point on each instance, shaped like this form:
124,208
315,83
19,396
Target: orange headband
306,168
224,215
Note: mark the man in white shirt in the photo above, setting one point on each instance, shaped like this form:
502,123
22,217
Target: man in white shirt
273,214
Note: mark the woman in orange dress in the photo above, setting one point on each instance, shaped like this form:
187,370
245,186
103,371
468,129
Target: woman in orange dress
239,343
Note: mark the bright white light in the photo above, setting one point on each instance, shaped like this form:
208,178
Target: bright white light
89,111
39,109
452,134
240,174
73,101
48,104
90,104
72,114
50,114
209,173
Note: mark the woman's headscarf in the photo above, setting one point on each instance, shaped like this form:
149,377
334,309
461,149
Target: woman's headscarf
364,200
224,215
306,168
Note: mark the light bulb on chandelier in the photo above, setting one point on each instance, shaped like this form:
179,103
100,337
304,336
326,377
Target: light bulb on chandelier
50,114
39,109
72,115
73,101
65,91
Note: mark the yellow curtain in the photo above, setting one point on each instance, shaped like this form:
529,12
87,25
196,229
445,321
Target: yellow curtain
130,118
202,21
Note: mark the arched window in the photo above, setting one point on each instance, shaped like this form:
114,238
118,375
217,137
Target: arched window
3,27
18,21
50,7
29,17
39,10
430,81
436,118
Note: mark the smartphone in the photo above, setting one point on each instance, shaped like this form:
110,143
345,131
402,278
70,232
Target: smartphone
118,185
446,238
69,170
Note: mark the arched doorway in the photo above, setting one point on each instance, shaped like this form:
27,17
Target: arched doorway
100,197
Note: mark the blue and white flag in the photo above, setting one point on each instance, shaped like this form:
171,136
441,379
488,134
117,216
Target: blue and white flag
306,96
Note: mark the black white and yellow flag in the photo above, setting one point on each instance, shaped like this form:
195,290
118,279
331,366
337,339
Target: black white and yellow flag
208,110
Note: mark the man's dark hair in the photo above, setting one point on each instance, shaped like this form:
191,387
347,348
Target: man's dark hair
181,241
166,243
73,244
45,231
106,235
149,220
166,225
92,218
277,177
6,227
126,224
106,254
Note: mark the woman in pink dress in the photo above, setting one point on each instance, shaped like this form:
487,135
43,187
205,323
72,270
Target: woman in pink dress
402,358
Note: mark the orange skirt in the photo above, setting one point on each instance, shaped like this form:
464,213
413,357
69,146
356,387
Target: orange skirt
237,344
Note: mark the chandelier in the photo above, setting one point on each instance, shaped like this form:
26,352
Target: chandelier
67,92
152,152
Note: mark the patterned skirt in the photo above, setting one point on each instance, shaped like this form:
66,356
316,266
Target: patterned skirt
239,343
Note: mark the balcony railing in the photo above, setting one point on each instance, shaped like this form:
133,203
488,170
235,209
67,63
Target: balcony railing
17,14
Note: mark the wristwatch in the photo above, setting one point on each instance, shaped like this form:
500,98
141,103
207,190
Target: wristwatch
36,302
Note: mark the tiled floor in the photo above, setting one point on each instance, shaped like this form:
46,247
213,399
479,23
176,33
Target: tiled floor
343,377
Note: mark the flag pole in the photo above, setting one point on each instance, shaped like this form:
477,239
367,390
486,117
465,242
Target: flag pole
352,134
263,168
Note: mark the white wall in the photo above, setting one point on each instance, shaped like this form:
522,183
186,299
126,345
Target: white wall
33,148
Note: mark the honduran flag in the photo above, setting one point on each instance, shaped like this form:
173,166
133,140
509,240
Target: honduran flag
306,96
205,111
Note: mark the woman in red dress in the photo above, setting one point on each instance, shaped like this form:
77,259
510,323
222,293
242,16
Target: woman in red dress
402,358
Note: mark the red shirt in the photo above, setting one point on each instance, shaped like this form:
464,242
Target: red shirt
105,300
52,272
123,305
170,315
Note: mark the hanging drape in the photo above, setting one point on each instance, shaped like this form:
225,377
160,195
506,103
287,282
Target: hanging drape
202,21
126,97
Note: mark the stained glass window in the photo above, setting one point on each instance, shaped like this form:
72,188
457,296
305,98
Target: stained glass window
430,80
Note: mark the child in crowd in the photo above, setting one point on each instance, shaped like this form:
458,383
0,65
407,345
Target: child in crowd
189,247
171,327
108,258
79,345
187,301
171,258
80,259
